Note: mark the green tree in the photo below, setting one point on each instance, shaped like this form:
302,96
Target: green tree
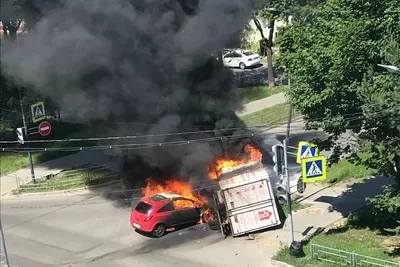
332,58
271,12
13,14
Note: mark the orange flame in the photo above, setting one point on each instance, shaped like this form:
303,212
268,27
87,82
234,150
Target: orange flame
181,188
173,186
254,155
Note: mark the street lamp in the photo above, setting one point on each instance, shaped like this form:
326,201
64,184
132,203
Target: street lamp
390,67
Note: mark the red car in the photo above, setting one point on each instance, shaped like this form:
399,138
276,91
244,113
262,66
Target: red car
157,213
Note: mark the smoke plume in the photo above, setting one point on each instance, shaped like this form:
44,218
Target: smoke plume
144,62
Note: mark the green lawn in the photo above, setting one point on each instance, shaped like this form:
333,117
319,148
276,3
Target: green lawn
12,161
360,241
250,94
344,170
269,116
79,177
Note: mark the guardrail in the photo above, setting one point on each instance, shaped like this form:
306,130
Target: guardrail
344,258
84,176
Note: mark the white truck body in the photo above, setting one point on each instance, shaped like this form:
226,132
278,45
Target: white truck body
249,199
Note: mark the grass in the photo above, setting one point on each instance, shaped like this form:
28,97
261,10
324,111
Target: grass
80,177
250,94
296,206
344,171
269,116
358,233
360,241
12,161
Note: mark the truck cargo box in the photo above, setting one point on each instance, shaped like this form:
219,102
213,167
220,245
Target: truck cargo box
249,200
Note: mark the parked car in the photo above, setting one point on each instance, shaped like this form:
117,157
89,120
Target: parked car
157,213
240,58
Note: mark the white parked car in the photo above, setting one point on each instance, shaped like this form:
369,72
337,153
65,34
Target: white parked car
240,58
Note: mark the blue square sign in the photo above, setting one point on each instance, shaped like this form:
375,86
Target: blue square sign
313,169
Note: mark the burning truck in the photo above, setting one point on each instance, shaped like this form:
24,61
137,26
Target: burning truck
243,198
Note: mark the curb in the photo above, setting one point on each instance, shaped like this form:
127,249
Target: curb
280,263
85,190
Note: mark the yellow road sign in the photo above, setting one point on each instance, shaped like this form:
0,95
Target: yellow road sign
38,112
306,150
313,169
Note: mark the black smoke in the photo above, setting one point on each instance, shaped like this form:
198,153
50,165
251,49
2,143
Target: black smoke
146,67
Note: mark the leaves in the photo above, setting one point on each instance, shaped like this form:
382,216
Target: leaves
332,57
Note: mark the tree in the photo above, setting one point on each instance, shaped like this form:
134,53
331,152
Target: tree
267,40
11,17
332,59
13,14
271,12
380,135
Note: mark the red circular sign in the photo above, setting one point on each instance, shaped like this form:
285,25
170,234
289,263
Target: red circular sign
44,128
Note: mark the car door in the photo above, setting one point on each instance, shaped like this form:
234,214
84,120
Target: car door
237,58
166,215
185,211
228,60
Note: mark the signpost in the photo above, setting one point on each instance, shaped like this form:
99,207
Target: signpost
44,128
313,169
306,150
38,112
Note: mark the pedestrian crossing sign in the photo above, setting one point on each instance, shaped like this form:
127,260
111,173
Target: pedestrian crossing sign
313,169
38,112
306,150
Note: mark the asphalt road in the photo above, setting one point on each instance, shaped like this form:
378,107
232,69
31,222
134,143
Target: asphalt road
79,230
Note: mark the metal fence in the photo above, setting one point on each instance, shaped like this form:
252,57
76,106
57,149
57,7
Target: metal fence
84,176
344,258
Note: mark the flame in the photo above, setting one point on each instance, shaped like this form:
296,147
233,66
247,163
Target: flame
254,155
174,186
181,188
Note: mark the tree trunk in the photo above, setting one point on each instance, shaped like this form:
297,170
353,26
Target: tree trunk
13,35
271,79
268,45
396,160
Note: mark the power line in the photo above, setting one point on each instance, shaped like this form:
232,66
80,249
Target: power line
95,202
165,134
131,145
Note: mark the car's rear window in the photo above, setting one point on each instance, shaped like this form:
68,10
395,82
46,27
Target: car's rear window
248,53
143,207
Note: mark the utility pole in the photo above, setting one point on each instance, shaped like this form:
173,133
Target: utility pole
288,195
26,136
3,252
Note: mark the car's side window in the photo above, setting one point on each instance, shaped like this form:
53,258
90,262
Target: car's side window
182,203
237,55
228,55
168,207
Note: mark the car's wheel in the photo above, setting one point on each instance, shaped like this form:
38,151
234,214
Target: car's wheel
242,66
214,225
159,230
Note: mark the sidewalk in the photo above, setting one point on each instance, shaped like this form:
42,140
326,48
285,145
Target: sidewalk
262,104
10,181
328,206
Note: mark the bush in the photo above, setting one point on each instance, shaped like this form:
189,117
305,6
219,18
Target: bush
383,212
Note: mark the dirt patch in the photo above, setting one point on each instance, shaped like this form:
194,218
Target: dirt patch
392,244
315,211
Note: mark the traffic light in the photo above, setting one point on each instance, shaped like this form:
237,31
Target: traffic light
281,194
20,135
278,159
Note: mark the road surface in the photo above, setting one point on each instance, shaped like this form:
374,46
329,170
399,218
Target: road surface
78,230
